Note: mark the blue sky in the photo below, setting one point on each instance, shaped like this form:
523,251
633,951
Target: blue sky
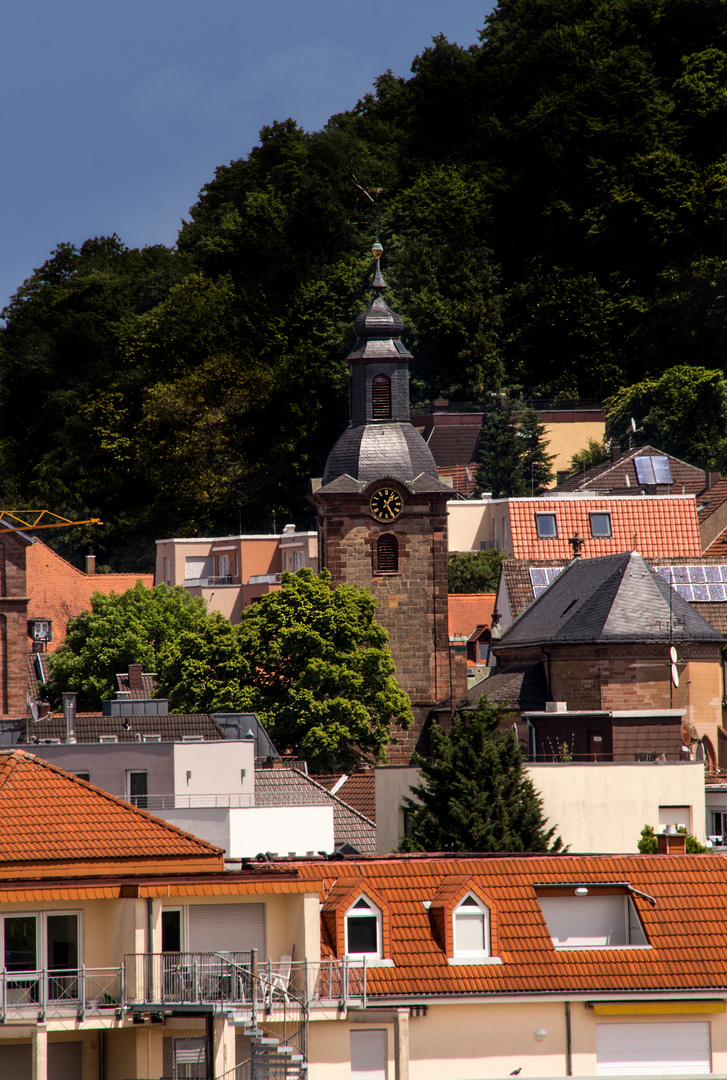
116,112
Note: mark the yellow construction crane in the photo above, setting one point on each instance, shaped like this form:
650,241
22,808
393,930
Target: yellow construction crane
30,520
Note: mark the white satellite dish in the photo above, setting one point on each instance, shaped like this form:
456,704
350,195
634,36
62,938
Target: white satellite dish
699,754
673,655
34,712
674,675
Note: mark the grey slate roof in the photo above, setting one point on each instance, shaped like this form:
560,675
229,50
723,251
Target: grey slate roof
610,599
379,451
517,686
90,726
290,787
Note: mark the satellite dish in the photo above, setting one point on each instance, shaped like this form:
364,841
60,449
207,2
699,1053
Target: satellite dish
674,675
633,424
34,712
673,655
699,754
686,735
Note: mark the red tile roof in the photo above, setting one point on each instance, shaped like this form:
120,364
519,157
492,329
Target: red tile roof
684,928
650,524
58,591
51,821
468,611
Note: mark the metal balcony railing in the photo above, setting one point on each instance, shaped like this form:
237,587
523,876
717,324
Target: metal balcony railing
60,991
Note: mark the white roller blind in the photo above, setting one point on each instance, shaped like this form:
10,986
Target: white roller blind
671,1048
469,928
586,920
196,567
368,1055
227,928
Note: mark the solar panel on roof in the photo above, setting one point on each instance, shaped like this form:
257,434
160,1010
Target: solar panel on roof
644,470
662,472
698,584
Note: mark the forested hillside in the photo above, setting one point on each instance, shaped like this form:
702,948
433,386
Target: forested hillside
552,208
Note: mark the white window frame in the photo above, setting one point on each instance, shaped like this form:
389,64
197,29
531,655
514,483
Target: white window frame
550,515
468,909
41,933
358,913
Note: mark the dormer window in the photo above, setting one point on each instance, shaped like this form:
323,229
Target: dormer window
471,928
589,917
363,929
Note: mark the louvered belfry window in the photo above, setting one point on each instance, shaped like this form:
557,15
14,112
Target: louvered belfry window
381,398
387,554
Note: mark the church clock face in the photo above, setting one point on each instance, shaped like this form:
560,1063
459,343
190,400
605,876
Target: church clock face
386,504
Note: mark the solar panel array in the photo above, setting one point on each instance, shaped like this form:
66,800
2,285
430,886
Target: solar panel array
541,577
653,470
698,584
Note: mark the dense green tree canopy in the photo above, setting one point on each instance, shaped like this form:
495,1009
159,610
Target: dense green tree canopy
551,201
122,628
513,456
474,794
474,571
309,660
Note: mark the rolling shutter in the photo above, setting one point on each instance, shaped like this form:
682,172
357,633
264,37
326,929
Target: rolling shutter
16,1061
663,1049
65,1061
227,928
368,1055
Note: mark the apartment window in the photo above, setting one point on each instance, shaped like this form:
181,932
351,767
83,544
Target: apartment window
298,560
471,928
165,572
675,815
368,1054
41,629
137,789
547,526
381,398
588,918
171,930
601,526
33,942
387,554
363,929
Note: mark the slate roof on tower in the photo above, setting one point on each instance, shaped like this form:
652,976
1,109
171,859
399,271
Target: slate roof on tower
609,599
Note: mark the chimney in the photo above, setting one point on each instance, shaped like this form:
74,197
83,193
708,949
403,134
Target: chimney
710,479
671,842
135,676
615,451
90,564
440,404
69,712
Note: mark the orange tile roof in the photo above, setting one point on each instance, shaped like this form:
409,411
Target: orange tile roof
58,591
51,822
649,524
685,928
467,611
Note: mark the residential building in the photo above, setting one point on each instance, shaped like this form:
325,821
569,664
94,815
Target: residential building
542,528
231,572
642,470
57,592
129,951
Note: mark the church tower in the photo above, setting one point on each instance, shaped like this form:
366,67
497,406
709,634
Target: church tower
382,518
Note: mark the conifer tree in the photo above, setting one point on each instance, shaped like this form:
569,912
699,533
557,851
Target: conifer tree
474,795
513,456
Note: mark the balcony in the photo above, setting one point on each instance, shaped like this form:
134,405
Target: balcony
182,982
209,582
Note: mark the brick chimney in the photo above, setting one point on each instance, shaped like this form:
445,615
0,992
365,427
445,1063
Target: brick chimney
135,676
671,842
90,564
615,452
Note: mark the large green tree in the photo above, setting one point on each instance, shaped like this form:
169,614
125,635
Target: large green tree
512,454
312,662
474,794
683,412
122,628
474,571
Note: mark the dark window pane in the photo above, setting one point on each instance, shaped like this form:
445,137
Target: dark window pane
138,789
20,943
171,931
362,935
62,942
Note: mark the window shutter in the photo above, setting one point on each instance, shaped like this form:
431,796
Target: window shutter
65,1061
227,928
16,1061
586,920
387,554
654,1049
368,1055
381,398
470,931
